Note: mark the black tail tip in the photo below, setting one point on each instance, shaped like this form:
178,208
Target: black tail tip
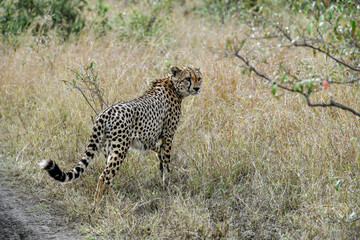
47,164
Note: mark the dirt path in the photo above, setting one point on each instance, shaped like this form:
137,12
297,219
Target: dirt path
22,216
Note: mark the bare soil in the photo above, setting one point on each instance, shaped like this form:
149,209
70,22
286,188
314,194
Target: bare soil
24,216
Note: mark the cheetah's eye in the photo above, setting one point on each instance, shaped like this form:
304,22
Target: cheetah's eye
199,80
188,79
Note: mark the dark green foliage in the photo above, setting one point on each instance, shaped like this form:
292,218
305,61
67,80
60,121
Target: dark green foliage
328,27
101,21
66,16
141,24
223,10
322,27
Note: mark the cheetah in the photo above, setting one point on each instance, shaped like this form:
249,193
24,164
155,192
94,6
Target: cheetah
139,124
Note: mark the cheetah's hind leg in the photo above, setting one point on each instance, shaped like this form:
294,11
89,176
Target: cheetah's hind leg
112,167
99,192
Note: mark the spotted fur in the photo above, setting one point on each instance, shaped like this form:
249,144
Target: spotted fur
140,124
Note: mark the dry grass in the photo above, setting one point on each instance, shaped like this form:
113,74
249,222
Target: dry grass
245,164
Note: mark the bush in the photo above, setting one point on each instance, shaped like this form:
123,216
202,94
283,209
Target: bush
329,28
225,10
145,22
41,15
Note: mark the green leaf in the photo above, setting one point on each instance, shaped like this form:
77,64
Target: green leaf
324,28
339,7
242,42
244,71
309,28
308,84
274,88
314,52
264,25
330,15
309,87
296,86
303,4
167,63
296,9
337,185
336,33
338,20
306,9
353,26
283,78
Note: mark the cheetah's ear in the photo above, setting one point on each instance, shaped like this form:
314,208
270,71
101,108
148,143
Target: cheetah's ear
197,69
175,70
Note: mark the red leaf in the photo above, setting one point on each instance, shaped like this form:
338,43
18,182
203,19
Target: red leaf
325,84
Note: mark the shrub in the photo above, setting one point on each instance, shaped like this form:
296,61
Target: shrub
145,22
225,10
41,15
328,28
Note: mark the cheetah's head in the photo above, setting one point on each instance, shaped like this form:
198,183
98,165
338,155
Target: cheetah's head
186,80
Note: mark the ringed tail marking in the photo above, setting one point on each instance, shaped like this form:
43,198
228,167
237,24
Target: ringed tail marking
55,172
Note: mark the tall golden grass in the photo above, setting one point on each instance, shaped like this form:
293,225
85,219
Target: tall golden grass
245,165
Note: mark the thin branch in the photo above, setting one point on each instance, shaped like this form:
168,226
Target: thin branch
345,82
305,44
93,105
86,81
93,95
332,102
265,37
82,93
97,91
283,32
262,75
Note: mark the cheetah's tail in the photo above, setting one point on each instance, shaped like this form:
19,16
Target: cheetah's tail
55,172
